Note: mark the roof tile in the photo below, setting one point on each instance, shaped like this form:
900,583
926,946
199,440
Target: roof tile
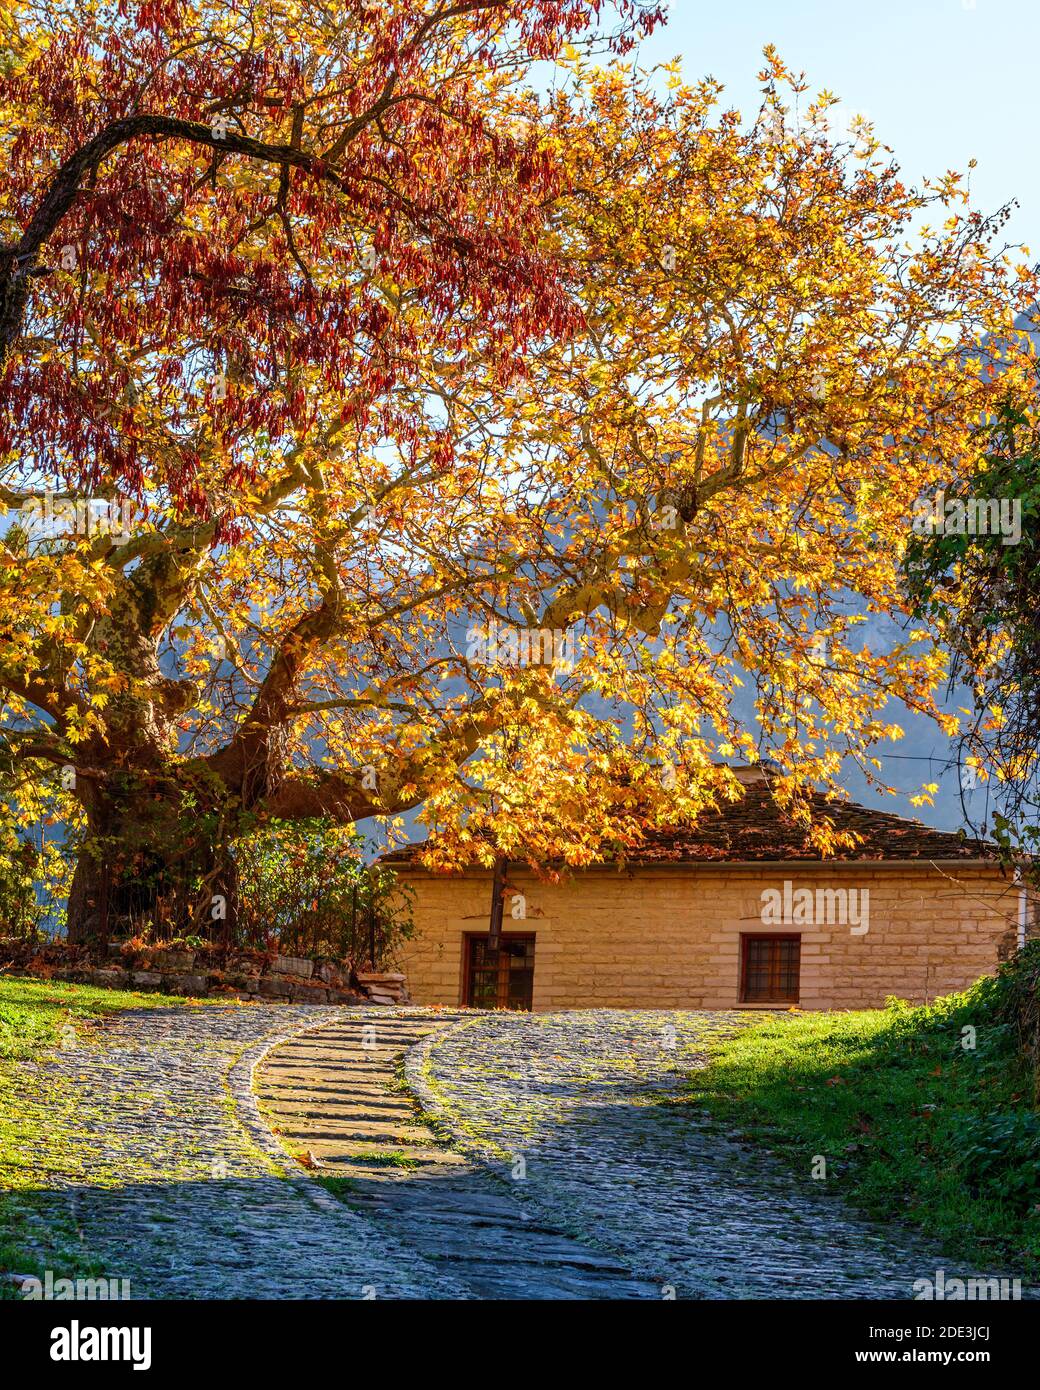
755,829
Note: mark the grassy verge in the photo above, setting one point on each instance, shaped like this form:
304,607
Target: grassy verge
927,1115
36,1015
33,1013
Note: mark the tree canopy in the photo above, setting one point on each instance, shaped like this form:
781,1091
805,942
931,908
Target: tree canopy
457,444
979,585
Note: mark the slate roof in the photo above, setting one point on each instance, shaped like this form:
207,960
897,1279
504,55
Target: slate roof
754,829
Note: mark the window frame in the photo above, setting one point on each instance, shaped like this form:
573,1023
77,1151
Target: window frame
746,938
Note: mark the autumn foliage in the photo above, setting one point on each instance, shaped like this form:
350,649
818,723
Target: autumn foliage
397,355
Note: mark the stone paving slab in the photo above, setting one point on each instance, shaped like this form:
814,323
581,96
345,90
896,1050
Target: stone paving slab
152,1149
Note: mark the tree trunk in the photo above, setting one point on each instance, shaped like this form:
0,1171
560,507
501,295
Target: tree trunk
85,899
151,862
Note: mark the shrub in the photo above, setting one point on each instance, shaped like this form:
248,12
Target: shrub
303,888
1015,996
999,1156
33,882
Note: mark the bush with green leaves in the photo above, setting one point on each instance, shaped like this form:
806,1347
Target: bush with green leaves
33,881
999,1156
303,888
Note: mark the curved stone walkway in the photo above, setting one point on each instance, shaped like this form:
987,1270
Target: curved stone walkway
550,1159
337,1100
153,1160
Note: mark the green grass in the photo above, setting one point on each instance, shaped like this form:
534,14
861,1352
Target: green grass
343,1188
913,1124
388,1158
346,1189
36,1015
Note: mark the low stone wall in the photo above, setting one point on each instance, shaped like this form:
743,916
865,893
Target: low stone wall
205,973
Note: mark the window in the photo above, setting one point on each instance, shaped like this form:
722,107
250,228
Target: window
769,968
502,979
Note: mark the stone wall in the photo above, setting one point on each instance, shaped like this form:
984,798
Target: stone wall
670,937
205,973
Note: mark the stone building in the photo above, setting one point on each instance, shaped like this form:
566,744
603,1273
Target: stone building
737,912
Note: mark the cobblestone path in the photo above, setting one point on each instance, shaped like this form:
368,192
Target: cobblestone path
549,1158
146,1139
587,1101
336,1099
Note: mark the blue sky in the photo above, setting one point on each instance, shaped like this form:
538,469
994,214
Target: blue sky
943,83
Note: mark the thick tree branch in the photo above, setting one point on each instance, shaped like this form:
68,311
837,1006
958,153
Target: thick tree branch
19,261
341,795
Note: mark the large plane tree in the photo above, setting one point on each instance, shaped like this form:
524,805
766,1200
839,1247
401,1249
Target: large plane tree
383,427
